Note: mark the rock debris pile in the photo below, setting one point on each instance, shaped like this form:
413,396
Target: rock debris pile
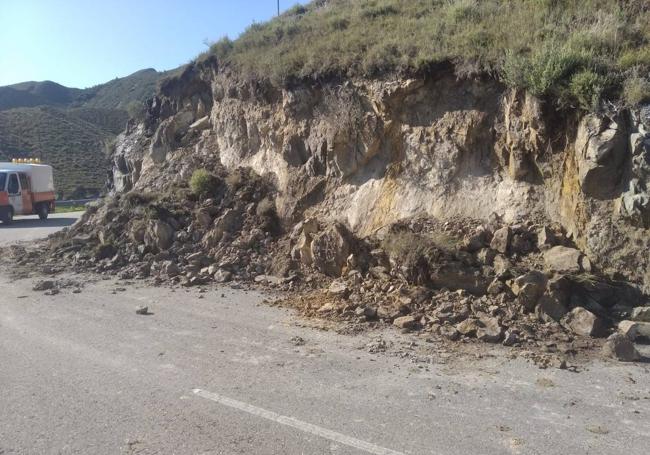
516,284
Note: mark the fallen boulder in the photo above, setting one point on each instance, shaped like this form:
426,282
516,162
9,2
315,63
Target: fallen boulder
330,249
634,329
583,322
405,322
491,332
563,259
620,347
159,235
501,240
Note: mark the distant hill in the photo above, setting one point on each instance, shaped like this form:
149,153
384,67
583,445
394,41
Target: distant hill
70,128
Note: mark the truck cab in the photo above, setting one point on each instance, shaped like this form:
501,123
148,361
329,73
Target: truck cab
25,189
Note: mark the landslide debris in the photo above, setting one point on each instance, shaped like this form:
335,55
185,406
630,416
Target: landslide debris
520,285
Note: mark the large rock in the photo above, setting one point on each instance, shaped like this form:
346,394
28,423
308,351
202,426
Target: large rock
230,221
469,326
546,238
501,240
620,347
138,231
564,259
405,322
491,332
601,150
535,280
529,288
641,314
552,306
550,309
159,235
204,218
330,249
634,329
584,322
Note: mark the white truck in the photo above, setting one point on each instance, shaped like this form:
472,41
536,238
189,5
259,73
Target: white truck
26,189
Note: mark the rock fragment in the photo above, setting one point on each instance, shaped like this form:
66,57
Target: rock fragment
405,322
501,240
44,285
583,322
641,314
142,310
620,347
634,329
564,259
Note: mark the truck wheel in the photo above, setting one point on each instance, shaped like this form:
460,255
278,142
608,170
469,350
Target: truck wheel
43,211
7,215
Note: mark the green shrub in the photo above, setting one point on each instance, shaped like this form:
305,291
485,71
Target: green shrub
586,88
635,57
463,10
636,90
222,48
542,71
204,184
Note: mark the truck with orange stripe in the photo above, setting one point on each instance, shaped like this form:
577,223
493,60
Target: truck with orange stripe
26,189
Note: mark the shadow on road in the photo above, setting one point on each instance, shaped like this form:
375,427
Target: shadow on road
35,223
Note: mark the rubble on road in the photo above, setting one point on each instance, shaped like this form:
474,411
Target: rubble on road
521,285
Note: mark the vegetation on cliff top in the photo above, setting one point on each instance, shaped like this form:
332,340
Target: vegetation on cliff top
572,51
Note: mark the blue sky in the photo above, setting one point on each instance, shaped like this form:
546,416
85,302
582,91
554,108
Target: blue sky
81,43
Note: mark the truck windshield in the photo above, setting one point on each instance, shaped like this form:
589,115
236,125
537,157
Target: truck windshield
3,180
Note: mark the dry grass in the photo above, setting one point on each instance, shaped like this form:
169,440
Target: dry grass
569,50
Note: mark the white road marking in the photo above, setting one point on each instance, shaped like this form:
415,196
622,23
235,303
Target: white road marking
298,424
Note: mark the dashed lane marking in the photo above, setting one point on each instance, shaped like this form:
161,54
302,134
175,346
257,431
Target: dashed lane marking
298,424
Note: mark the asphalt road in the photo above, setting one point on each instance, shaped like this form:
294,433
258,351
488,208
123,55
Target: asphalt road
220,372
26,228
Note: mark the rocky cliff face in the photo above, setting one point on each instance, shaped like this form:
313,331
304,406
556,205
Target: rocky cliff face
371,152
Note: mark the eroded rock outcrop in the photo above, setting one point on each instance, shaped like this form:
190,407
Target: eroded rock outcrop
368,153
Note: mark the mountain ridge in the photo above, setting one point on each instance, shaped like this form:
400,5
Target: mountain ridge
71,128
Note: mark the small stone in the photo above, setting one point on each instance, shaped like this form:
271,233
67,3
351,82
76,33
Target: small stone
370,312
468,327
502,266
52,291
142,310
511,338
388,312
620,347
222,276
338,289
405,322
546,238
486,256
449,332
297,341
496,287
44,285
